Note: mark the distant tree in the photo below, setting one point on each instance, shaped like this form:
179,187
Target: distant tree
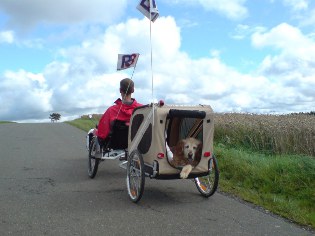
54,117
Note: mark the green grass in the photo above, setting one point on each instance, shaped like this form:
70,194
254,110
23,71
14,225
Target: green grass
83,123
5,122
283,184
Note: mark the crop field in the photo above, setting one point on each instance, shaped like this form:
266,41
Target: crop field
273,134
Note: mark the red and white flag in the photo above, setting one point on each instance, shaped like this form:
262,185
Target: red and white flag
147,6
126,61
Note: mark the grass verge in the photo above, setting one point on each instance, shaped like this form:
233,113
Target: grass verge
282,184
5,122
83,123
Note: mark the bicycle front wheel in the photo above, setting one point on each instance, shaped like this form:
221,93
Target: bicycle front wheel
92,161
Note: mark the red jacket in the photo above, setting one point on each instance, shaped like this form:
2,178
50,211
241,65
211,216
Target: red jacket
119,111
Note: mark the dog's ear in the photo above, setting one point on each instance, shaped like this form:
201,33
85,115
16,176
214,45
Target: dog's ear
179,149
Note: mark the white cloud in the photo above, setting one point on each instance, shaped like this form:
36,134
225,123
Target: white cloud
232,9
296,5
25,14
24,95
6,36
301,10
308,18
242,31
293,45
293,67
283,36
215,53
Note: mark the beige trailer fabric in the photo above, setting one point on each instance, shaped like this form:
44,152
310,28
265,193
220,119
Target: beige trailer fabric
154,138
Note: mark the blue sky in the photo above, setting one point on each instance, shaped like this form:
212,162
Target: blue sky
235,55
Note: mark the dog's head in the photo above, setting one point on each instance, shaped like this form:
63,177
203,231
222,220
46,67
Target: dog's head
190,148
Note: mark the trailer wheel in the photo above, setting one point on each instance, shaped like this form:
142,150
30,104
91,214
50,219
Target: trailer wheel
135,176
207,185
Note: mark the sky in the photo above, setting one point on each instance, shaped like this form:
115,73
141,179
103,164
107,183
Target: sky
246,56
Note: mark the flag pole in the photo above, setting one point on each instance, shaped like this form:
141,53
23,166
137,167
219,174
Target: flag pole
152,81
134,68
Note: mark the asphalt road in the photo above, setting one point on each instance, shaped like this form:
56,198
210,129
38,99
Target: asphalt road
45,190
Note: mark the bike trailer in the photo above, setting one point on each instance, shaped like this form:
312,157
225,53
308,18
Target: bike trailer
154,129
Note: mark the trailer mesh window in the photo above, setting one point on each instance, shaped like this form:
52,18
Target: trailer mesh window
136,122
146,140
181,128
